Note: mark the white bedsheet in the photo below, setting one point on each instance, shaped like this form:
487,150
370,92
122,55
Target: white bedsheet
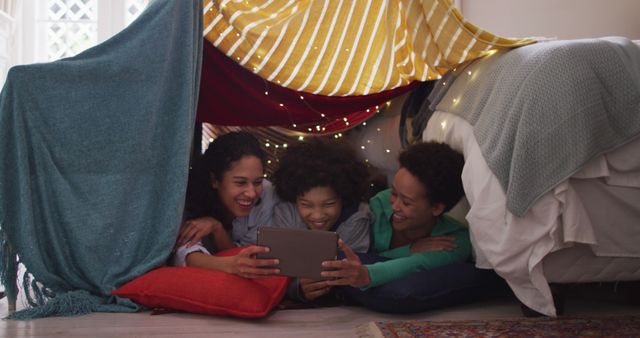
515,246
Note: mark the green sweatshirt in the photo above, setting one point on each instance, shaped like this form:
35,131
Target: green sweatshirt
402,262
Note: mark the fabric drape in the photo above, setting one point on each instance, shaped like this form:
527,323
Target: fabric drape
95,155
233,96
346,47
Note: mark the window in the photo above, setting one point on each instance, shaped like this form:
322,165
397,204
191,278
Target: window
71,26
134,8
54,29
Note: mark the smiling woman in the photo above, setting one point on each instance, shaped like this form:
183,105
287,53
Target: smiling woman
419,258
227,199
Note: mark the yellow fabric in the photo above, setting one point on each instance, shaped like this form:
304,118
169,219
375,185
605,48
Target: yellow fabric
346,47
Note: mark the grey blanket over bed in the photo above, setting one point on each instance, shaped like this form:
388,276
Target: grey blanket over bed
540,112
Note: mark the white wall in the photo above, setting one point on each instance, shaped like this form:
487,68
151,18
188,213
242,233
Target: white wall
564,19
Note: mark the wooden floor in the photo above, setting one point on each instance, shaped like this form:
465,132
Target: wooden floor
325,322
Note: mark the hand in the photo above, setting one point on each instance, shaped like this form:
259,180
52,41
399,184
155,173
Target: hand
348,271
192,231
440,243
245,264
313,289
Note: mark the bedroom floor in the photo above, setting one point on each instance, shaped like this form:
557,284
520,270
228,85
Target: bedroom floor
321,322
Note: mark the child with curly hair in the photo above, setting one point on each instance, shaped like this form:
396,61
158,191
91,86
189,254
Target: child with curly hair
321,184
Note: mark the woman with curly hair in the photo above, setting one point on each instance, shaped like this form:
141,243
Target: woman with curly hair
227,199
322,184
420,258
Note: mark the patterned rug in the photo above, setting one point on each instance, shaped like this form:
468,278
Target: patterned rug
619,326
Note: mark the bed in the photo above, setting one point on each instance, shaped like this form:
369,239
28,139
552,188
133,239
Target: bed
578,224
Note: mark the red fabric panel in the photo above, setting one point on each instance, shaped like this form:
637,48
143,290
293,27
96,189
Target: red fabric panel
206,291
231,95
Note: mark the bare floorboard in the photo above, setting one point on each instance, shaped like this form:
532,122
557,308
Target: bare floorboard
309,323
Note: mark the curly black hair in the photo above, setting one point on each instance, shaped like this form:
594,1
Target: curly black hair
320,162
229,148
226,149
439,168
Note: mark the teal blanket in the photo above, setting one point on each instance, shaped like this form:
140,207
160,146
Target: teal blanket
542,111
95,151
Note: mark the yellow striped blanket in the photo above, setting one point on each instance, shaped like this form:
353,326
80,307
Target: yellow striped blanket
346,47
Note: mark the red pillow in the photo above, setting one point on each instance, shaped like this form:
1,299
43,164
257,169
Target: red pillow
206,291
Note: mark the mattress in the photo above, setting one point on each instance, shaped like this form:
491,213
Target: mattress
576,232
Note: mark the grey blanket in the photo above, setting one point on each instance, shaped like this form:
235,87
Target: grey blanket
540,112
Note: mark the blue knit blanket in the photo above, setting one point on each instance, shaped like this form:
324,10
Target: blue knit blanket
542,111
95,151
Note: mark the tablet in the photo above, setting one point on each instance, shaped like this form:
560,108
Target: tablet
300,251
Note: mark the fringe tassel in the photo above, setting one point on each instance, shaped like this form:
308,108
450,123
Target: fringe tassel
73,303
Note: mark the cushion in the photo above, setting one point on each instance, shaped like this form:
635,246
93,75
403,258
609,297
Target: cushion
206,291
